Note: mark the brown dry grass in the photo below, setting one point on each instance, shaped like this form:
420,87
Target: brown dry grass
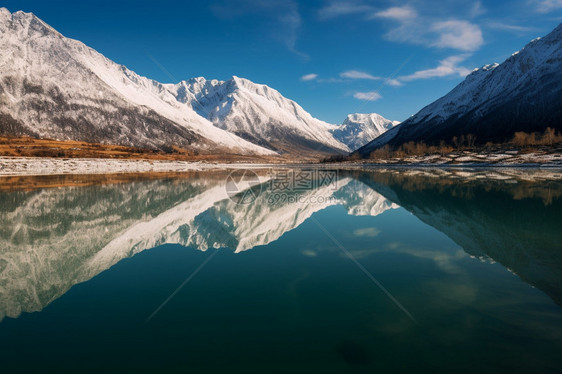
31,147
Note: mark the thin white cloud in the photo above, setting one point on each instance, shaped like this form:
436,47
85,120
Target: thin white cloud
446,67
309,77
341,8
403,14
424,30
355,74
393,82
367,96
508,27
547,6
457,34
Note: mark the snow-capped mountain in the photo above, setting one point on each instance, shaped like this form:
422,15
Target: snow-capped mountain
52,86
524,93
257,113
360,128
55,87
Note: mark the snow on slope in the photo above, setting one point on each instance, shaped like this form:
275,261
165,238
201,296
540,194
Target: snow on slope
524,93
44,72
467,94
360,128
53,86
256,112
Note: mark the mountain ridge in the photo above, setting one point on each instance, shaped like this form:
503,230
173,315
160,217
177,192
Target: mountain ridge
256,112
53,86
524,93
56,87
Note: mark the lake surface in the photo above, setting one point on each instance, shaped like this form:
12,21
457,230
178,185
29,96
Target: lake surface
288,271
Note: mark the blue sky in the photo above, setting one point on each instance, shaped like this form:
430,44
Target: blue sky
332,57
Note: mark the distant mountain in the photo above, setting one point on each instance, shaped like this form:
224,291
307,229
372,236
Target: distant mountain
360,128
524,93
258,114
55,87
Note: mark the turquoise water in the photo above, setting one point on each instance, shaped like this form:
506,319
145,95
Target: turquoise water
373,271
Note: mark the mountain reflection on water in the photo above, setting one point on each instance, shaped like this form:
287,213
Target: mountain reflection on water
54,238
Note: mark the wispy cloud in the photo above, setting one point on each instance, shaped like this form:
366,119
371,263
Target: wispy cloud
393,82
367,96
355,74
457,34
447,67
424,30
292,21
547,6
508,27
411,26
341,8
403,14
309,77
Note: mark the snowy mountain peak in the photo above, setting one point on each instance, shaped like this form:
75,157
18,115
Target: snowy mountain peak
56,87
360,128
28,22
4,12
258,113
521,94
240,82
373,118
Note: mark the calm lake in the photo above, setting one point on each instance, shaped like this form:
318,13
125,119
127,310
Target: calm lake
285,271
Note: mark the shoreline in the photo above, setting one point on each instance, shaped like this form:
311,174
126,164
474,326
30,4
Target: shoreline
44,166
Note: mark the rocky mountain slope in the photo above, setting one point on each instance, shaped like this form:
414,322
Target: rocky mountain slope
55,87
52,86
524,93
257,113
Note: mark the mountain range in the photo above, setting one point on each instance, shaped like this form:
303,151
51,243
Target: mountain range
55,87
58,88
524,93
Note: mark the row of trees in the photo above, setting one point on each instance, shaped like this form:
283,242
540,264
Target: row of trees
410,149
548,137
467,142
